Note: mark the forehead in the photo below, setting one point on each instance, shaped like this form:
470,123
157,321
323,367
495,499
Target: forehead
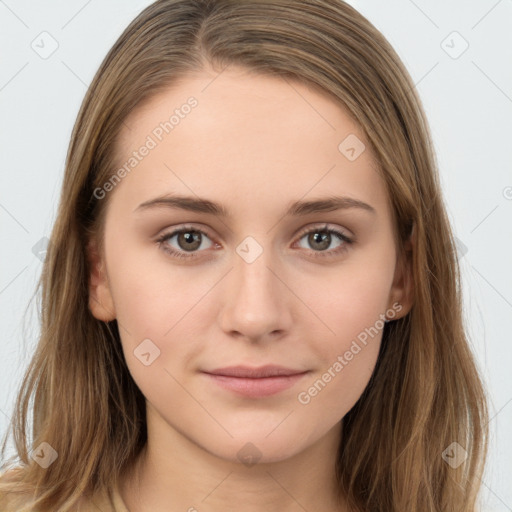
262,137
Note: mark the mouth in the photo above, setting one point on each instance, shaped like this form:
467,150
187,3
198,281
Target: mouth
255,382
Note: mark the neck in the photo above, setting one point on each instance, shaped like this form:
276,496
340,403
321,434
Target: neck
177,474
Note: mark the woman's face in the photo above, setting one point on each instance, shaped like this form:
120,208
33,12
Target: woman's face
246,167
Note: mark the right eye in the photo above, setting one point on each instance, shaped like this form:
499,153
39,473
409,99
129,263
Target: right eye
189,241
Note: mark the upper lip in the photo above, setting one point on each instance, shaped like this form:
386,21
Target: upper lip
255,372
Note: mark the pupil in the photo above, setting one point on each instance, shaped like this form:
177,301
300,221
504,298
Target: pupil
189,238
323,239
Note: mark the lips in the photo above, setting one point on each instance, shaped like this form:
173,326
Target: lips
255,373
255,382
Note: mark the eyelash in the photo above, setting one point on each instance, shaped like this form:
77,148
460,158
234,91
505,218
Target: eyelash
318,254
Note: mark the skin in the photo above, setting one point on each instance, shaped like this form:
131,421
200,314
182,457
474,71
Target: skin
253,144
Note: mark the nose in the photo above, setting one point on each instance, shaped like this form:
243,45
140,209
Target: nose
256,299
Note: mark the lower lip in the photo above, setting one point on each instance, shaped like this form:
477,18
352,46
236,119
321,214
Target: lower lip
256,388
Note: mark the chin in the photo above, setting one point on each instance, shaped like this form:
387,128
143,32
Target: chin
257,448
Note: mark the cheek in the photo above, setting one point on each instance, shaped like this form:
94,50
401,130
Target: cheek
157,301
333,391
353,298
346,356
352,307
150,295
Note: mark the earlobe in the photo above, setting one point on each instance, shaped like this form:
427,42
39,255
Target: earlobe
101,304
402,290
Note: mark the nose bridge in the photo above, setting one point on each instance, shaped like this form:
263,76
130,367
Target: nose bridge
255,303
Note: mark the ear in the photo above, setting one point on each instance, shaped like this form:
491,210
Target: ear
402,289
100,297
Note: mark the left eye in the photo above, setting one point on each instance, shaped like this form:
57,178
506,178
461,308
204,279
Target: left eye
190,240
322,237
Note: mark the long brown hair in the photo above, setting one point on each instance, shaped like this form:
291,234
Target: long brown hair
425,393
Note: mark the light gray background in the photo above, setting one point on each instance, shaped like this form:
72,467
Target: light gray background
467,97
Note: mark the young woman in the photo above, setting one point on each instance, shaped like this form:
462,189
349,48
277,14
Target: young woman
251,294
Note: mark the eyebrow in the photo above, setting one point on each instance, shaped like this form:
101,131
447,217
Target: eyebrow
296,208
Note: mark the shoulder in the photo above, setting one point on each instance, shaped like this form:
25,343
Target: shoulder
11,475
14,500
13,496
